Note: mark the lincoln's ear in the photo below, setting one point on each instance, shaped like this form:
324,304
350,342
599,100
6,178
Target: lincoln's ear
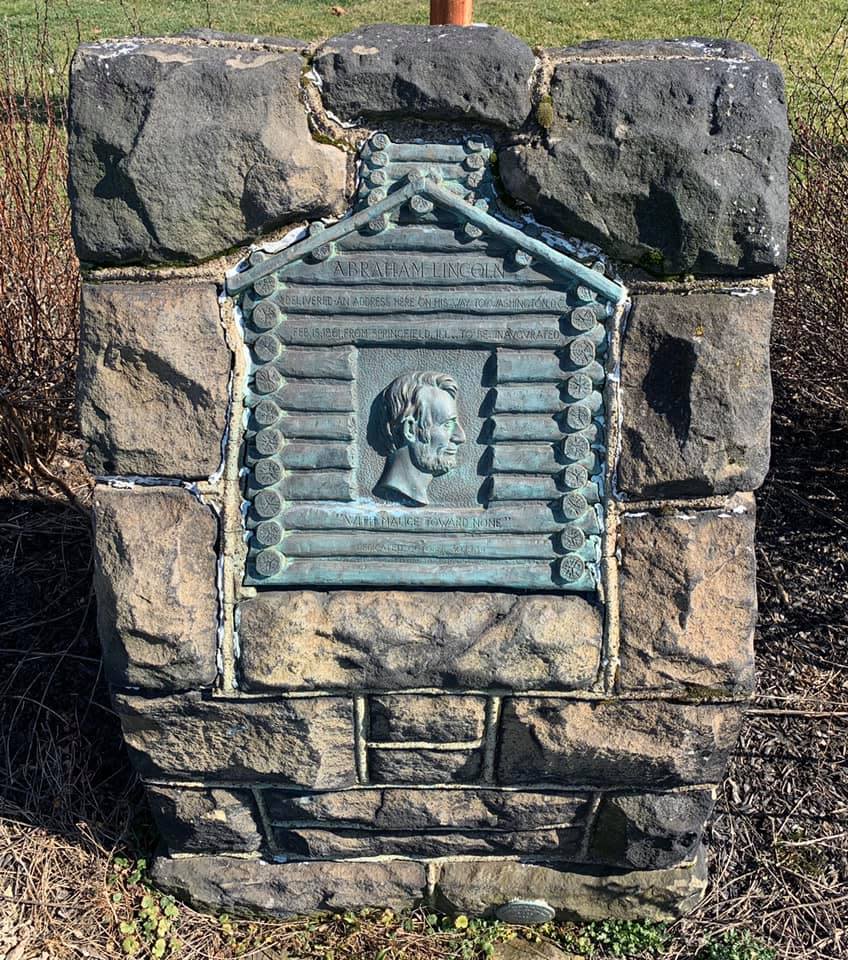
409,429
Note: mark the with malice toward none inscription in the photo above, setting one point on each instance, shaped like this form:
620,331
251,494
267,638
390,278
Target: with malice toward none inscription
426,401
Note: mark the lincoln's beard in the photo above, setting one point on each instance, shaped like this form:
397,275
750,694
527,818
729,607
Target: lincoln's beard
428,460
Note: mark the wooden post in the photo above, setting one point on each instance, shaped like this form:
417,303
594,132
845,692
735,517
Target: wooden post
457,12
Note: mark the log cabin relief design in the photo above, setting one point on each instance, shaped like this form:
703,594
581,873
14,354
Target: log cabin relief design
426,399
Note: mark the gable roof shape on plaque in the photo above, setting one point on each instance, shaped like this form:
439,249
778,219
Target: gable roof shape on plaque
427,183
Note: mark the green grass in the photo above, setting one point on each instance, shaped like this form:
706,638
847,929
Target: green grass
800,32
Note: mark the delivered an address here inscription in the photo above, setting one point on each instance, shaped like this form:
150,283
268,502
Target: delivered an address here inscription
330,301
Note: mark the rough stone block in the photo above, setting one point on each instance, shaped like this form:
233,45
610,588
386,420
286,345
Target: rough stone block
560,843
688,595
479,888
431,73
181,151
155,575
676,163
152,379
349,639
521,949
215,820
426,717
419,765
686,48
304,742
649,831
696,394
240,886
206,34
396,808
614,743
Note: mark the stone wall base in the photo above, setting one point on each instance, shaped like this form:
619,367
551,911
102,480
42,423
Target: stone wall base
382,726
240,885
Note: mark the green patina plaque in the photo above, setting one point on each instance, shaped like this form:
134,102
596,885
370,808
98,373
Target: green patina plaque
425,404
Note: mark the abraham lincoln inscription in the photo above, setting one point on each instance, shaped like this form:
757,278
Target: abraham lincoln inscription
427,383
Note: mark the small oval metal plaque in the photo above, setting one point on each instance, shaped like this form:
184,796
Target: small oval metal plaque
525,912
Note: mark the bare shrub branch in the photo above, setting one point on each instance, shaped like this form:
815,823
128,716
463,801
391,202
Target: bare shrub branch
39,272
811,320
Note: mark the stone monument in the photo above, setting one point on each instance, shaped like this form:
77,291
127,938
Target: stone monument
426,384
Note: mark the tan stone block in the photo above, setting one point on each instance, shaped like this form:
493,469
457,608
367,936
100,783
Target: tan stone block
435,717
689,601
521,949
155,575
696,394
392,640
615,743
479,888
205,821
304,742
559,843
399,808
239,886
152,378
424,766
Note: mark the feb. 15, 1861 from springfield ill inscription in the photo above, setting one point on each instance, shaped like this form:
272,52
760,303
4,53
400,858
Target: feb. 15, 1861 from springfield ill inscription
426,396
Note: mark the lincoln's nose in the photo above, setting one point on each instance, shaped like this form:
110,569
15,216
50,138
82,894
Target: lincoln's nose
458,434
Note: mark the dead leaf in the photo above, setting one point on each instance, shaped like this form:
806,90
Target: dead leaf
17,952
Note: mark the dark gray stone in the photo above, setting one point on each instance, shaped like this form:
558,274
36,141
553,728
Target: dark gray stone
696,394
181,151
241,886
205,821
425,717
615,743
397,808
560,843
305,742
348,639
155,575
420,765
207,35
679,165
479,888
152,378
430,73
688,600
649,831
689,48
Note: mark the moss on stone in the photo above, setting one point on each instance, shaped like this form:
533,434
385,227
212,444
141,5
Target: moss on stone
545,112
702,694
319,137
652,260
